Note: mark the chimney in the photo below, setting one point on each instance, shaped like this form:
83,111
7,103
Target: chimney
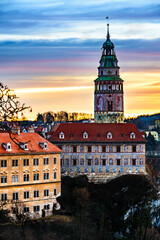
16,129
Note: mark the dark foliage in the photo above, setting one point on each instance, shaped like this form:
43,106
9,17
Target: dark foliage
120,209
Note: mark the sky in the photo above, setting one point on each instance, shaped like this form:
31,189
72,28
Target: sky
50,51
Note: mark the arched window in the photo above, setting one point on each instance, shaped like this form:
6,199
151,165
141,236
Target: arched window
109,135
61,135
132,135
125,161
85,135
110,161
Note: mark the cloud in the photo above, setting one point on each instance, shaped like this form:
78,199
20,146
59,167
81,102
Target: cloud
61,19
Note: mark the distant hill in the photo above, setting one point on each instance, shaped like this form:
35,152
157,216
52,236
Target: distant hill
143,121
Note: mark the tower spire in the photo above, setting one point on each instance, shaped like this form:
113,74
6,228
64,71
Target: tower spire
108,35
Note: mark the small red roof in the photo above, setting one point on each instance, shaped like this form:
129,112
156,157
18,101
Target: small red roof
32,139
97,132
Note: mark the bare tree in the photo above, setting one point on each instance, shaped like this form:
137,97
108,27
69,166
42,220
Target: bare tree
10,109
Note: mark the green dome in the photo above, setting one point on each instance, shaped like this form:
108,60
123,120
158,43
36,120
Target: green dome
108,44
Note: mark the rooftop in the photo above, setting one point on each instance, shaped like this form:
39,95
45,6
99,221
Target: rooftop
32,140
97,132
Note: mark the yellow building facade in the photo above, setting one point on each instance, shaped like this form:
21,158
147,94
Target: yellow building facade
31,177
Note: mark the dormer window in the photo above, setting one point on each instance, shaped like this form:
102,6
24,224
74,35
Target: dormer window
85,135
109,135
132,135
43,145
7,146
61,135
24,146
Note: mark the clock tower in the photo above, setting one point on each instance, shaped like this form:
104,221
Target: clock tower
108,95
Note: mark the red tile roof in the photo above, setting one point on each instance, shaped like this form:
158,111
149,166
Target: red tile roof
96,132
33,140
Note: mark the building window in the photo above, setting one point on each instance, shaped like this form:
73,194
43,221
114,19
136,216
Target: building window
15,196
118,162
36,177
3,163
55,160
67,162
26,194
96,161
85,135
46,176
110,148
103,162
96,148
4,197
36,193
26,177
103,149
61,135
26,209
74,149
141,161
3,179
133,162
46,161
46,207
132,135
35,162
81,148
14,178
15,163
134,148
54,191
125,161
46,192
82,161
8,147
110,161
89,162
36,208
26,146
55,175
118,148
25,162
109,135
89,148
74,162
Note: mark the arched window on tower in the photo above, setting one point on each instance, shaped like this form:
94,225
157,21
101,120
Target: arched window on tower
110,105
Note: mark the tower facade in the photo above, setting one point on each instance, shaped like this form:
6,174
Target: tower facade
108,95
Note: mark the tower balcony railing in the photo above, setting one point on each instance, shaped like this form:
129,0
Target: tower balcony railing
108,91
